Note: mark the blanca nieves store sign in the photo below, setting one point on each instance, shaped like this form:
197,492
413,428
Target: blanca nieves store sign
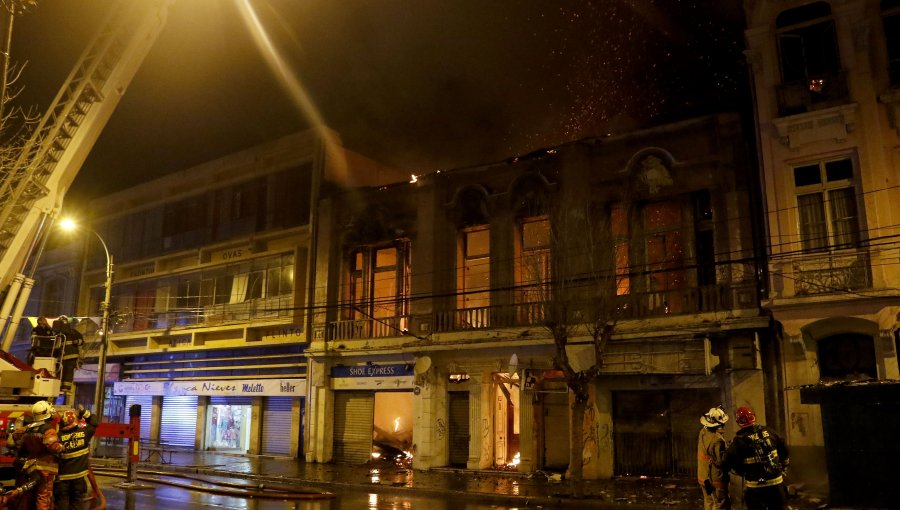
245,387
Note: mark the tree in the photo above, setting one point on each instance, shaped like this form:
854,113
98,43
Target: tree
589,272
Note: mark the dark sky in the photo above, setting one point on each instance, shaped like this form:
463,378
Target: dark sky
418,84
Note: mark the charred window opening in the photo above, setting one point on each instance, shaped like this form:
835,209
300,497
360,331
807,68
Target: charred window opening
891,17
379,282
474,280
847,357
809,58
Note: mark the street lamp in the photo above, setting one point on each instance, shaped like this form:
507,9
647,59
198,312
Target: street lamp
99,393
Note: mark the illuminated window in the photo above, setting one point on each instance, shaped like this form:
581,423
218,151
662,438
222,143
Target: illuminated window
475,269
534,259
379,282
619,229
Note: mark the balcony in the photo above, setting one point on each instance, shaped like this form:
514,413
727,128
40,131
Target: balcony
711,298
812,93
831,273
213,315
382,327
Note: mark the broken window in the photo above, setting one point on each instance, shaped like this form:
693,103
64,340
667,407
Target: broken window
890,10
808,53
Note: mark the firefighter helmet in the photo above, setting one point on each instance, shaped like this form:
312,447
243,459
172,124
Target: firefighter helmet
69,418
42,410
716,417
744,417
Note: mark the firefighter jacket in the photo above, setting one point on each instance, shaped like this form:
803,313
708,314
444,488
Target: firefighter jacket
38,441
758,455
711,449
72,348
74,461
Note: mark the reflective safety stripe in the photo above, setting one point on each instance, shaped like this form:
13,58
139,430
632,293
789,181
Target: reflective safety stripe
72,455
73,476
764,483
704,457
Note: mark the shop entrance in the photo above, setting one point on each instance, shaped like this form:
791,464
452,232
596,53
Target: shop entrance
393,428
506,419
655,432
228,423
373,426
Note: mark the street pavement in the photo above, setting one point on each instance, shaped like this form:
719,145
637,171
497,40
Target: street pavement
496,487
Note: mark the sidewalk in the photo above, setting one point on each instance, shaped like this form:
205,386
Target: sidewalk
496,487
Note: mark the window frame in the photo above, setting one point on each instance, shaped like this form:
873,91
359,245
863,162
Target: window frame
825,188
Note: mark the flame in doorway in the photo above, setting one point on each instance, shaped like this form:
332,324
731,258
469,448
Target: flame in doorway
517,458
396,424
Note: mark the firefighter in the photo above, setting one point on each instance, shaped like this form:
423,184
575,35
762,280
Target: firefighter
711,447
38,442
71,355
42,339
76,430
10,499
759,456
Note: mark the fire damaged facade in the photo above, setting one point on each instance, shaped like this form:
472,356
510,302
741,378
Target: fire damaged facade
826,78
431,335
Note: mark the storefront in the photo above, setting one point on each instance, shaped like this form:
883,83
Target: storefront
219,414
373,412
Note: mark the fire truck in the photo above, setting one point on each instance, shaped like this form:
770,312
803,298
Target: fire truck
33,185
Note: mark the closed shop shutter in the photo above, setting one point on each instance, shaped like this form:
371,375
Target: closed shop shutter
146,403
277,425
459,428
179,421
556,430
354,415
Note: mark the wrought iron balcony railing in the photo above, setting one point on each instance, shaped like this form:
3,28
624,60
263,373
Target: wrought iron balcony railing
693,300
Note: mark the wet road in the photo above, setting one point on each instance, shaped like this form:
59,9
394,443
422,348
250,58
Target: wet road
176,498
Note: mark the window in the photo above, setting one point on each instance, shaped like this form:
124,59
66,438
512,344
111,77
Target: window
808,52
475,269
890,9
379,282
619,229
665,253
826,205
534,259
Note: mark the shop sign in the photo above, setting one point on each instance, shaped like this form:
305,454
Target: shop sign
246,387
399,369
88,373
372,377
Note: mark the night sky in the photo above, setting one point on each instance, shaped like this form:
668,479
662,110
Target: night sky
418,84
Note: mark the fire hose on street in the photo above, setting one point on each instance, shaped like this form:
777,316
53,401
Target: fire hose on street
218,487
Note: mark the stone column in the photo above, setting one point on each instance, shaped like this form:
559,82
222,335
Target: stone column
480,423
527,431
321,408
598,444
430,408
256,426
200,436
155,417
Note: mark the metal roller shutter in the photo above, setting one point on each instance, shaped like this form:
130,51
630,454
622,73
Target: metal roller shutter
277,425
179,421
146,403
459,428
354,415
556,430
231,401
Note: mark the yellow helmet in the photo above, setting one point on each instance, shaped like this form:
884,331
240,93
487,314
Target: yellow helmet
42,410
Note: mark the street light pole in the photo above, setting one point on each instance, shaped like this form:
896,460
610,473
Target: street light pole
100,392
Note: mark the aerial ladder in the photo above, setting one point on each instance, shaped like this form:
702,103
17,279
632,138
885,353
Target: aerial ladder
33,187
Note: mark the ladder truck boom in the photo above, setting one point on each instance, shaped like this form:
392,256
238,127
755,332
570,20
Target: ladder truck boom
32,188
